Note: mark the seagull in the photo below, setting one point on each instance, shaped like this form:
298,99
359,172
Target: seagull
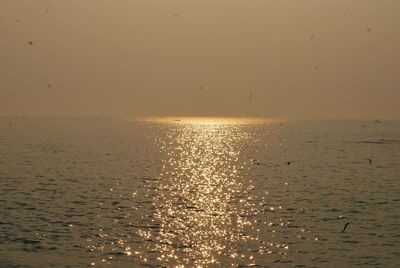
370,161
345,226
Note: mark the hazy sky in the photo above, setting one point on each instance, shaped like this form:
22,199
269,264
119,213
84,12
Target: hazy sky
285,58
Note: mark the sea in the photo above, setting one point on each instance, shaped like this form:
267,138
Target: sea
199,193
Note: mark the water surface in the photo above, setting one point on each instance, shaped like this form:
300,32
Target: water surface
181,193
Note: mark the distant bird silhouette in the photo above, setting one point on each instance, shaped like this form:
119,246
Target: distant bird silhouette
30,43
345,226
370,161
289,163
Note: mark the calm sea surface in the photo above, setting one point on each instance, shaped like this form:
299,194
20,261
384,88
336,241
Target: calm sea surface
103,193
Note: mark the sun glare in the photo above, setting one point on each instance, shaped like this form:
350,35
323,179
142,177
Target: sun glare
202,120
199,208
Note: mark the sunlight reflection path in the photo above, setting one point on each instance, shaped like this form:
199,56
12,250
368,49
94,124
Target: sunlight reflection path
202,205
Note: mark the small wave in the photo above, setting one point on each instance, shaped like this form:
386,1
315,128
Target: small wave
379,141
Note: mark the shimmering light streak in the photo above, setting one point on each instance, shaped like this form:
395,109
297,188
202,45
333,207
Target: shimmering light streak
203,205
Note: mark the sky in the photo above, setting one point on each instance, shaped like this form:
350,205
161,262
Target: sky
334,59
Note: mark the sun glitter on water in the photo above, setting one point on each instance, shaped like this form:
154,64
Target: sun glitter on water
202,209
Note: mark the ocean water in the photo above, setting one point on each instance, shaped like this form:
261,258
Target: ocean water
108,193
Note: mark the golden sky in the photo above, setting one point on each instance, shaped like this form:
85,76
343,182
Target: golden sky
273,58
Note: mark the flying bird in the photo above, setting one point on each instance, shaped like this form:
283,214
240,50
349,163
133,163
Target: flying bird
370,161
345,226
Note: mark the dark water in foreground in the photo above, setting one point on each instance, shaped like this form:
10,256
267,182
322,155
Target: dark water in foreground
180,194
